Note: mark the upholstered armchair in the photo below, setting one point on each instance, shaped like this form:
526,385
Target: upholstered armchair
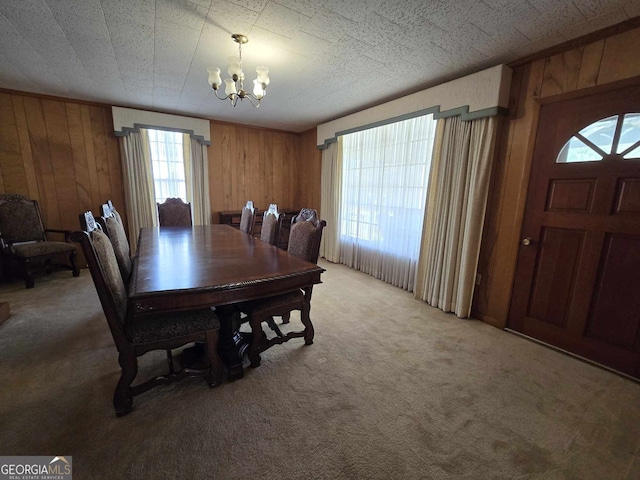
25,244
173,212
166,331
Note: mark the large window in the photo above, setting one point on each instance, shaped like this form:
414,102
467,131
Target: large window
167,161
385,173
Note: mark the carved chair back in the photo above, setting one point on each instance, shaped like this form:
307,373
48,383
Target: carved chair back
306,235
247,218
103,266
115,231
108,210
271,225
173,212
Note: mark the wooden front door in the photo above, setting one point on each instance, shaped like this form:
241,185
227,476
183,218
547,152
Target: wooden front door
577,283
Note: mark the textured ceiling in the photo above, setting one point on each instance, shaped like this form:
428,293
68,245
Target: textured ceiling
326,58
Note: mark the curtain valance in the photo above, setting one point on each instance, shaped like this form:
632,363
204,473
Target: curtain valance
479,95
126,120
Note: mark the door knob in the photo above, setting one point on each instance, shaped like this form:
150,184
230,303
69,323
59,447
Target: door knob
526,241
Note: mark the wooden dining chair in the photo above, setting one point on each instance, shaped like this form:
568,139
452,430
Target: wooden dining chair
132,339
115,231
247,218
271,225
173,212
304,242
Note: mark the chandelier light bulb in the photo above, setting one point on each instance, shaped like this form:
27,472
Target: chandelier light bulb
263,74
214,78
230,87
258,91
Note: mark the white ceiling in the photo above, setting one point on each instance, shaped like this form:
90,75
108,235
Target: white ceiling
327,58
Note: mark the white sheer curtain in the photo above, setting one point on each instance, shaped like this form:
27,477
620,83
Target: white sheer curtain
138,183
454,219
168,161
383,189
331,195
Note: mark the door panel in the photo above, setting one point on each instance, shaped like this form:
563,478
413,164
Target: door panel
555,275
571,195
628,196
577,283
615,313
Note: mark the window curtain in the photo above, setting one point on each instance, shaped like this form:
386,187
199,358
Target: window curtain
384,183
331,194
452,231
138,184
197,175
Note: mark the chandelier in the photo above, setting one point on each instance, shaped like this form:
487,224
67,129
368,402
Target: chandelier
234,86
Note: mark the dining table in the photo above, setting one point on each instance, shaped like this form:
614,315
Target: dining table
188,268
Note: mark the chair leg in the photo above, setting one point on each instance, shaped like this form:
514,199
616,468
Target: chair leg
74,264
306,319
286,317
28,276
215,376
274,326
123,396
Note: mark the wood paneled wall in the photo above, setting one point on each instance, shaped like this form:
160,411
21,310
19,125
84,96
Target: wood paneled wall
582,71
62,153
309,171
265,166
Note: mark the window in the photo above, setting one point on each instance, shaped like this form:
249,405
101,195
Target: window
616,135
167,161
385,174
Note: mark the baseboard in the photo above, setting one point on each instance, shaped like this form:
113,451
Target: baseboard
578,357
488,319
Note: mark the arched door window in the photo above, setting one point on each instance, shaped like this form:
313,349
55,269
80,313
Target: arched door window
617,136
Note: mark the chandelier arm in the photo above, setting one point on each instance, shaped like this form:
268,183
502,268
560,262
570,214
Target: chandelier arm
221,98
251,98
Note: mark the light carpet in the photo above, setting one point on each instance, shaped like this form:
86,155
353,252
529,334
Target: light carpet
390,389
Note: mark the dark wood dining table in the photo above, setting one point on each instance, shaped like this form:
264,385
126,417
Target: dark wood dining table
185,268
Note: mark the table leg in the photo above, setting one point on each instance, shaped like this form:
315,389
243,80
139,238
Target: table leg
228,349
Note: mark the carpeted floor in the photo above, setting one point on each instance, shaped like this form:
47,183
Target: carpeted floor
391,389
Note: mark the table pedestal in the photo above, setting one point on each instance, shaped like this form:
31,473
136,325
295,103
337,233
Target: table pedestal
231,344
230,351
